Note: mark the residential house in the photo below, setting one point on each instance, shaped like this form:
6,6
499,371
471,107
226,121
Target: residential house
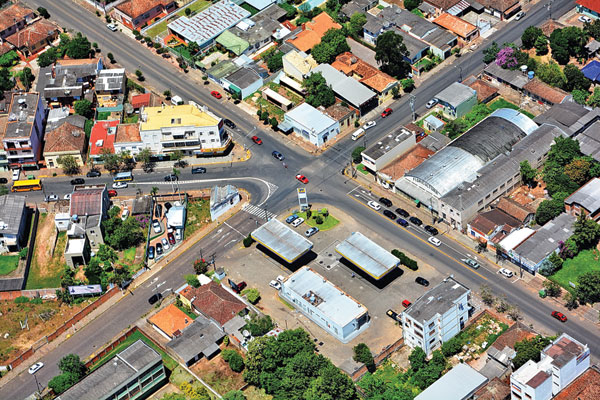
221,70
191,128
310,124
213,301
343,115
258,31
313,31
461,28
102,139
13,18
502,351
200,339
502,9
141,100
89,206
357,6
34,37
416,48
560,363
543,93
521,213
24,135
460,383
456,100
485,91
325,304
68,80
585,200
441,6
66,138
592,69
110,82
13,221
437,316
590,8
128,139
135,14
170,321
243,82
298,64
489,227
392,146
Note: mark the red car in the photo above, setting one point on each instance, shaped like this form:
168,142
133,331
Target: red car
256,140
215,94
171,238
302,178
112,193
559,316
406,303
386,112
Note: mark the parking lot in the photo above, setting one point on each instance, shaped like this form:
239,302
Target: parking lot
163,238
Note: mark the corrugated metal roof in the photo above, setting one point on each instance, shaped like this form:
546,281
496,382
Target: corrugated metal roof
367,255
458,383
282,240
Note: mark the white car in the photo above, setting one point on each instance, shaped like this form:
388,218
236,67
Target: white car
156,226
15,174
280,278
112,27
178,235
519,15
297,222
434,241
507,273
67,196
125,214
584,19
36,367
369,124
165,243
275,284
374,205
431,103
119,185
51,197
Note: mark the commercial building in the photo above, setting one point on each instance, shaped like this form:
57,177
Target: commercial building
325,304
456,100
367,255
522,213
243,82
560,363
310,124
110,82
199,339
437,316
13,220
135,372
486,92
135,14
460,383
127,139
24,135
394,145
66,138
588,7
282,240
585,200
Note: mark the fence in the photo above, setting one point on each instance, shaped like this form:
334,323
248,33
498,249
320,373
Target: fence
36,219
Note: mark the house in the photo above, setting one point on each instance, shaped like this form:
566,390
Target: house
67,138
222,199
485,91
313,31
135,14
243,82
34,37
298,64
141,100
280,101
102,139
590,8
221,70
461,28
486,225
416,48
343,115
137,370
128,139
586,199
68,80
310,124
214,302
503,349
13,220
441,6
460,383
502,9
13,18
456,100
560,363
357,6
365,73
392,146
110,82
543,93
592,71
24,134
325,304
170,321
200,339
585,387
433,124
191,128
520,212
437,316
256,32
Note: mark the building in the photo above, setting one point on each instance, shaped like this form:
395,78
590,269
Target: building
521,213
541,92
313,31
585,387
325,304
110,82
13,221
441,6
24,135
68,80
503,349
491,226
310,124
502,9
214,302
170,321
461,28
34,37
67,138
141,100
342,114
460,383
367,255
135,14
586,199
396,169
275,98
416,48
244,82
127,139
256,32
282,240
456,100
560,363
205,26
298,65
394,145
190,128
485,91
200,339
102,139
232,43
495,389
13,18
437,316
357,6
260,4
590,8
136,371
222,199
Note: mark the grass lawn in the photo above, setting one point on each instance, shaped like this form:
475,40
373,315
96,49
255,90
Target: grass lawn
586,261
180,375
188,312
361,168
131,120
129,255
103,116
198,215
328,222
8,264
46,273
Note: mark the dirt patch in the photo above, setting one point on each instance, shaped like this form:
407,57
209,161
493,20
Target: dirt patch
47,266
217,374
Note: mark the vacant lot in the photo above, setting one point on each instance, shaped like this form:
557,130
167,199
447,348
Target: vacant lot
216,373
586,261
8,264
198,215
46,269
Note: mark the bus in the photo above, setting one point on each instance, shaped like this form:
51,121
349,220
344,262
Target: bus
123,177
27,185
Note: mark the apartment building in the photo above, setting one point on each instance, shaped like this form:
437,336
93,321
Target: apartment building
24,131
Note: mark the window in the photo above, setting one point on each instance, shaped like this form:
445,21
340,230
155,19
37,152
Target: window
527,396
518,396
502,186
495,191
432,332
487,197
431,325
431,341
419,334
480,202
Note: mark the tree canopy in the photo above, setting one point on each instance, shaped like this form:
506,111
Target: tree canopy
79,47
529,349
84,108
332,44
391,54
318,93
357,21
528,173
275,61
48,57
69,164
7,82
530,35
588,287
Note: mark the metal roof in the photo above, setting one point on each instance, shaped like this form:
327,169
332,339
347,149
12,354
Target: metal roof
282,240
546,240
367,255
456,94
388,143
457,384
200,337
311,118
588,196
344,86
11,213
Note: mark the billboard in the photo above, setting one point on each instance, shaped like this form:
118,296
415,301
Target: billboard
302,199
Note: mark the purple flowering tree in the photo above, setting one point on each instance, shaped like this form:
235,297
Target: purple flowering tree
506,58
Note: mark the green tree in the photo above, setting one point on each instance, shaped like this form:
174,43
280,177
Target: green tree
552,288
455,128
78,47
93,271
275,61
593,29
318,93
6,80
529,349
62,382
188,12
121,235
562,152
9,59
43,12
145,156
407,84
111,161
332,43
274,123
551,264
111,58
253,295
417,359
356,154
391,54
193,48
233,358
452,346
69,164
559,46
234,395
192,280
490,53
541,46
357,21
575,79
71,364
48,57
140,75
580,96
331,384
174,396
594,99
551,74
362,354
259,325
107,255
576,39
530,35
26,77
548,210
586,232
411,4
84,108
528,174
578,170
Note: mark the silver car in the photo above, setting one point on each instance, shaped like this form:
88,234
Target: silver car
471,263
311,231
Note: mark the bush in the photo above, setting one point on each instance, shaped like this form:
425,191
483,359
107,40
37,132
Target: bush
356,156
248,241
405,260
23,253
192,280
235,361
362,354
258,326
200,267
21,300
36,300
62,382
319,220
253,295
452,347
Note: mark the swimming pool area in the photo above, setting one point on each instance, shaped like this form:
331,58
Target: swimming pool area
310,4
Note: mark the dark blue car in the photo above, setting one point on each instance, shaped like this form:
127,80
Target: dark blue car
402,222
151,252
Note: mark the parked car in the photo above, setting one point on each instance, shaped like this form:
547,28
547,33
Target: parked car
198,170
3,181
155,298
402,212
374,205
275,284
291,218
171,178
278,155
67,196
16,173
431,230
158,211
178,234
559,316
51,197
256,140
240,286
159,249
416,221
406,303
36,367
506,272
170,229
215,94
369,124
156,226
422,281
229,123
519,15
389,214
165,243
402,222
297,222
393,315
302,178
151,252
431,103
584,19
311,231
77,181
112,27
93,173
471,263
125,214
386,112
119,185
434,241
112,193
171,238
386,202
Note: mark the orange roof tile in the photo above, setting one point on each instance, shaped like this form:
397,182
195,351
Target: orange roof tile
33,34
5,47
484,90
12,14
127,133
370,76
584,387
544,91
170,320
82,61
216,302
135,8
140,100
495,389
313,31
414,157
67,137
455,24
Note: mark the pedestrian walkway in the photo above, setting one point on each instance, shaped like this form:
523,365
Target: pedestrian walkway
259,212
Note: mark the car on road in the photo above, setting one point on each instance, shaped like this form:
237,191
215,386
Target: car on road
229,123
198,170
119,185
165,243
151,252
402,222
159,249
431,229
36,367
393,315
291,218
369,124
431,103
158,211
584,19
275,284
155,298
471,263
67,196
402,212
112,27
434,241
297,222
16,173
406,303
559,316
506,272
256,140
311,231
519,15
112,193
422,281
125,214
374,205
278,155
388,111
416,221
94,173
156,226
3,181
389,214
302,178
51,197
77,181
215,94
171,178
171,238
386,202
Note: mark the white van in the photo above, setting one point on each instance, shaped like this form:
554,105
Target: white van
176,100
359,132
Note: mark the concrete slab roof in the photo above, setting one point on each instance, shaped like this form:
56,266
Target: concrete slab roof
282,240
367,255
437,300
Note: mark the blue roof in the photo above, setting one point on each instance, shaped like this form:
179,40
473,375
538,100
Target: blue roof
592,71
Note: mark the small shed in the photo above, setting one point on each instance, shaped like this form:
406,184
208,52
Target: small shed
433,124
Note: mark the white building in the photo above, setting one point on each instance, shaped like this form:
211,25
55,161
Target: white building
560,363
388,149
437,316
325,304
310,124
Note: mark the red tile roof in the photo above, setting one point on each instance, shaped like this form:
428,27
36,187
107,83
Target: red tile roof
216,302
127,133
593,5
584,387
538,379
443,4
5,47
33,34
170,319
455,24
87,201
12,14
103,137
411,159
313,31
516,333
514,209
484,90
140,100
135,8
544,91
370,76
66,137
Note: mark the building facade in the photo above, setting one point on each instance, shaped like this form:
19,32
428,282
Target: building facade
310,124
24,134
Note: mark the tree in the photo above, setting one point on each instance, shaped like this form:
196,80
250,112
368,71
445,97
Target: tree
318,93
528,174
391,54
490,53
69,164
530,35
586,232
188,12
407,84
576,39
111,161
575,79
48,57
93,271
559,46
145,156
455,128
111,58
417,359
594,99
356,154
253,295
62,382
26,77
6,80
140,75
552,288
121,235
43,12
548,210
259,325
541,46
78,47
570,300
167,94
551,74
71,364
580,96
274,123
411,4
529,349
551,264
578,170
362,354
234,395
331,384
357,21
107,255
192,280
275,61
332,43
593,29
452,346
200,267
233,358
486,295
193,48
84,108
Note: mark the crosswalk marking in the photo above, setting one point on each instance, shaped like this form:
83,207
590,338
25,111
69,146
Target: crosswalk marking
259,212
